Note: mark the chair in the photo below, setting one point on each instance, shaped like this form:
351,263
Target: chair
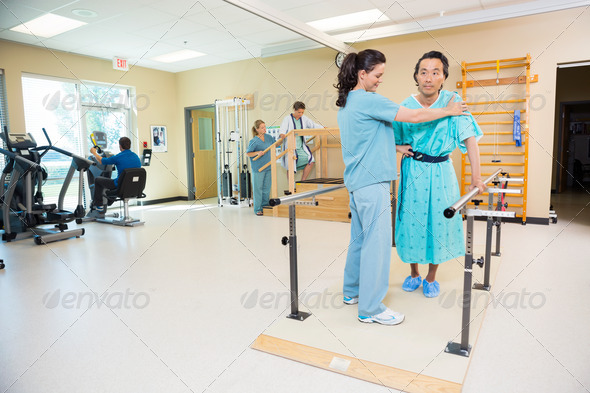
131,186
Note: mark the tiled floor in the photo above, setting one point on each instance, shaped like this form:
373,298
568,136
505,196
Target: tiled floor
182,298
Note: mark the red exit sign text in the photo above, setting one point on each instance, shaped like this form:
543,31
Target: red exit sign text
120,64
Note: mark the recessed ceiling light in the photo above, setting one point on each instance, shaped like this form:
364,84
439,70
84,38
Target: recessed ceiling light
48,25
85,13
349,20
180,55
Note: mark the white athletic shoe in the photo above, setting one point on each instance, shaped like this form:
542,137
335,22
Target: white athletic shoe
350,300
387,317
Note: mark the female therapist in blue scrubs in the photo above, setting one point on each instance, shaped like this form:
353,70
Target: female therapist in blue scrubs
261,180
368,148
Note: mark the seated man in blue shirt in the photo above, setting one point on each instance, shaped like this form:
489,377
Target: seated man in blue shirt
125,159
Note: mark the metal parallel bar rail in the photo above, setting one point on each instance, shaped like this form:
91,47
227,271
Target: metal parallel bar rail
451,210
493,218
292,201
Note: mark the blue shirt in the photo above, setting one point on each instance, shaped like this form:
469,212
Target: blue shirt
256,144
368,141
123,160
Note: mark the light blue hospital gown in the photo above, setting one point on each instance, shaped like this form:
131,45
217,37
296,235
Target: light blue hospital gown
422,233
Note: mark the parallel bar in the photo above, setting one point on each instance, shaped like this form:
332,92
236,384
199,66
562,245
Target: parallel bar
302,195
295,313
450,211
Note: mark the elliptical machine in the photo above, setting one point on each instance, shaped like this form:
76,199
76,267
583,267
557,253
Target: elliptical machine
23,163
23,209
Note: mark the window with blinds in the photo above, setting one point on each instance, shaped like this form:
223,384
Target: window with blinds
69,111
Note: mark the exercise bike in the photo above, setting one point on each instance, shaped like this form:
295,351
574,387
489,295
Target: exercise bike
132,183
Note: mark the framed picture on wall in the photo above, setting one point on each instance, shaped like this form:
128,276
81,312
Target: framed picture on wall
159,139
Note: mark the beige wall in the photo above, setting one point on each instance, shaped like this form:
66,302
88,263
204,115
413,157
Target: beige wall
275,82
550,39
157,103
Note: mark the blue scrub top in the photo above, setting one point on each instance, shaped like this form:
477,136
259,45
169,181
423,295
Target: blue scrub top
256,144
368,141
123,160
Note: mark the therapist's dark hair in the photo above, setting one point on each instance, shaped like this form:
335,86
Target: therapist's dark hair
432,55
353,63
125,143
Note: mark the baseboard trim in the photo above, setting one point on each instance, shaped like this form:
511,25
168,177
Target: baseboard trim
162,200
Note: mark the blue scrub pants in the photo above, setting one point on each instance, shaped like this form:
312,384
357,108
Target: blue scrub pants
261,189
366,273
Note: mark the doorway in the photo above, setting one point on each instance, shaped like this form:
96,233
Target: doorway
571,167
204,163
201,147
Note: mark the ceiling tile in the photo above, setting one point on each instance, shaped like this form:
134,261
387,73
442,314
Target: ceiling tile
180,8
276,36
228,14
170,30
104,9
140,18
43,5
327,9
198,39
13,14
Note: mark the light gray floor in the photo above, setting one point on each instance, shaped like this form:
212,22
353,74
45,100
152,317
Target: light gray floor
184,296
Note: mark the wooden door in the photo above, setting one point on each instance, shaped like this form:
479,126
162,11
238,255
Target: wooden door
204,148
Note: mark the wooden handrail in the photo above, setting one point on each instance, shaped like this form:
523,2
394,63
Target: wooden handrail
277,143
268,163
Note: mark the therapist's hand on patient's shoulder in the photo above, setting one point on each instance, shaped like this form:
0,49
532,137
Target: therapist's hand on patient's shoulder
456,108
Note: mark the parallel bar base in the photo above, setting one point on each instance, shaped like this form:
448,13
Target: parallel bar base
482,287
300,316
455,349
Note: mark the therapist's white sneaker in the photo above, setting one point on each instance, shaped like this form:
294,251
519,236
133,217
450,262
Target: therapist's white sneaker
387,317
350,300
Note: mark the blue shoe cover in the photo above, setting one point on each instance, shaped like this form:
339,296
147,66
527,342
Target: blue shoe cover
431,289
411,284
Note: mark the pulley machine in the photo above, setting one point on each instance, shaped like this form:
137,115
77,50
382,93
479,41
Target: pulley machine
231,124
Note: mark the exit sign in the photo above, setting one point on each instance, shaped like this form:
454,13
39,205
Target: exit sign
120,64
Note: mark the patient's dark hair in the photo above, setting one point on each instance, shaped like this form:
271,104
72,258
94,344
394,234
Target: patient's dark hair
125,143
298,105
432,55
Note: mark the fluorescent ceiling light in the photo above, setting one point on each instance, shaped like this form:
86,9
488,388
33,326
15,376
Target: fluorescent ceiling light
48,25
349,20
173,57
